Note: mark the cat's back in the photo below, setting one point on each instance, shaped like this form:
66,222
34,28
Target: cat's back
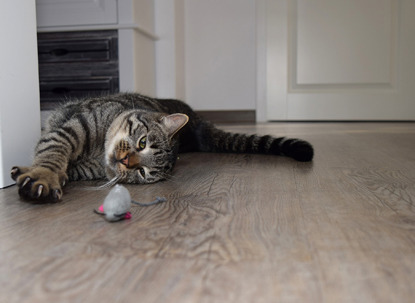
138,101
104,109
98,108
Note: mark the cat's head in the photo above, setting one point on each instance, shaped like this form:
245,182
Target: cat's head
140,146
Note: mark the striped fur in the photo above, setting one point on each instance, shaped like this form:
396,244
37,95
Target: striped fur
130,138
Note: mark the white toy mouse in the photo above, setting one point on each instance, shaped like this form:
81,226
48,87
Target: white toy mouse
117,204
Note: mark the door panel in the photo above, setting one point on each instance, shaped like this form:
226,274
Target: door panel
353,36
340,60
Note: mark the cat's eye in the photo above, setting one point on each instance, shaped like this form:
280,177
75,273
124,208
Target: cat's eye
142,143
142,172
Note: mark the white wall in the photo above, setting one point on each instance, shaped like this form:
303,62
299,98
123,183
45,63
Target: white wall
136,46
216,55
165,24
19,85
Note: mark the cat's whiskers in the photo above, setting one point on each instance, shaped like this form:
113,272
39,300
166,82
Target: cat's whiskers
106,185
110,183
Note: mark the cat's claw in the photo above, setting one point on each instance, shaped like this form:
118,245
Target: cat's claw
14,172
39,184
57,194
39,191
27,180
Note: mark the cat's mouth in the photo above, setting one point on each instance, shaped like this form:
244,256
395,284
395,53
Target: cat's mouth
125,160
117,168
131,160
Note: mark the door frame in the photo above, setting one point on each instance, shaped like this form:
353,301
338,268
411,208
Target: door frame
264,58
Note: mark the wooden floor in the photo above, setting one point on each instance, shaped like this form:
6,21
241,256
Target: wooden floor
235,228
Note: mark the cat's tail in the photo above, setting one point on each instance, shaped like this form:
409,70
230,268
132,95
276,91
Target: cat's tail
212,139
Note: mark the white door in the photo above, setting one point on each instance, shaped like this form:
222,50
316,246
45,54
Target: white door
337,59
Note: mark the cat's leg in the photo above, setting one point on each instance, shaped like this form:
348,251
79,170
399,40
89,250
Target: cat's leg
43,181
87,169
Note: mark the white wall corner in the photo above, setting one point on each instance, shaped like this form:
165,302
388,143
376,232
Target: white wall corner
180,23
165,48
20,104
261,60
136,45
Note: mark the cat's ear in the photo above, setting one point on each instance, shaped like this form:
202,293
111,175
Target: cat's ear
173,123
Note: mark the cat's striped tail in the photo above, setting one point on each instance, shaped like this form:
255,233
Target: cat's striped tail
212,139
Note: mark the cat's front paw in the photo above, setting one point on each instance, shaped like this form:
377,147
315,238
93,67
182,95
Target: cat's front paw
39,183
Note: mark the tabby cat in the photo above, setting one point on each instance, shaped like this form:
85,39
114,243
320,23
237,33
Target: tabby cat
130,138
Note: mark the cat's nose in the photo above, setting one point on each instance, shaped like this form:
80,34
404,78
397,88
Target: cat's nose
125,160
131,160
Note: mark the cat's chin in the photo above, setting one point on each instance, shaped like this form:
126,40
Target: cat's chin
111,166
110,173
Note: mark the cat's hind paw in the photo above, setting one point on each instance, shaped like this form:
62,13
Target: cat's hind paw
39,184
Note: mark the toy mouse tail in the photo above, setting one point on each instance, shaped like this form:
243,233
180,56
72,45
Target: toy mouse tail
158,200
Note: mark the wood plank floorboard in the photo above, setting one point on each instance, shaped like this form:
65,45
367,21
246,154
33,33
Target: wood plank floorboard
235,228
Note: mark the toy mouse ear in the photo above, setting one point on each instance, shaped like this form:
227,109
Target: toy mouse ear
174,122
100,210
